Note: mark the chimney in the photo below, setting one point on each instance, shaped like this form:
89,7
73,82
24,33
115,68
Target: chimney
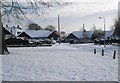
6,26
11,30
18,26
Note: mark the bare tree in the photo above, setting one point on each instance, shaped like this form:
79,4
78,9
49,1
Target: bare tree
63,33
117,28
50,27
34,26
98,33
19,10
112,28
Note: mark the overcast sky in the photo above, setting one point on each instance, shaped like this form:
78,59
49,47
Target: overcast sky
83,12
80,12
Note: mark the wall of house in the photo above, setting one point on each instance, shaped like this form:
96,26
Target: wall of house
54,36
71,37
24,35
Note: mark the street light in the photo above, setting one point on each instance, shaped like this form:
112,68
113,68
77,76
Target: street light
104,30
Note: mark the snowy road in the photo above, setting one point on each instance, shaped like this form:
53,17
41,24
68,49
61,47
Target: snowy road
58,63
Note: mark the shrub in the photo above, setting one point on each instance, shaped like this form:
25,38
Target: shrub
15,41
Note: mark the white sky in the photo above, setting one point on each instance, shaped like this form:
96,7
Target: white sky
82,11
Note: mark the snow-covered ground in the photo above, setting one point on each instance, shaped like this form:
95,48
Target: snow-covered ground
63,62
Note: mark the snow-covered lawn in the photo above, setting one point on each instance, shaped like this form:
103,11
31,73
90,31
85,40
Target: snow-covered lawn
63,62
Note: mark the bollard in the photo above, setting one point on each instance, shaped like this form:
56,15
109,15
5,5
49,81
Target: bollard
114,54
94,51
102,52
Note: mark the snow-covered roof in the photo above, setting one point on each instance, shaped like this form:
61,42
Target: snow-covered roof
108,33
38,33
13,30
79,34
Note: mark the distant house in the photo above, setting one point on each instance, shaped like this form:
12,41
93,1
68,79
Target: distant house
79,36
39,34
109,34
70,37
54,35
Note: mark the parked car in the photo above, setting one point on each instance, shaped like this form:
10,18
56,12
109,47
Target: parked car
54,42
35,42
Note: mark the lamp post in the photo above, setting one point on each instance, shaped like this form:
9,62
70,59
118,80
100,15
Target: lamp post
104,30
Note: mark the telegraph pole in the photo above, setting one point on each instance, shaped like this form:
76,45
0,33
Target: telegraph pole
83,27
59,29
84,33
104,31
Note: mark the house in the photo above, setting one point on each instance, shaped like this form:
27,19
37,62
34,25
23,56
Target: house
12,31
6,32
108,34
79,36
39,34
53,35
